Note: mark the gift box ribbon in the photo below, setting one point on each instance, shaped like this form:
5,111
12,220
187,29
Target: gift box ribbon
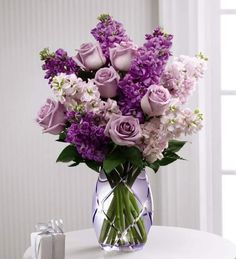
51,228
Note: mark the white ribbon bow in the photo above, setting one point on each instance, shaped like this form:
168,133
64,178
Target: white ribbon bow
53,227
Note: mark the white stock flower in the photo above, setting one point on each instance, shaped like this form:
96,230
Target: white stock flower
64,86
90,92
176,121
75,93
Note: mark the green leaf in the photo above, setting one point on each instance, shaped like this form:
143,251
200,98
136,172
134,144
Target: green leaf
45,54
113,160
154,166
62,137
175,145
68,154
103,17
169,155
169,158
134,156
74,164
93,165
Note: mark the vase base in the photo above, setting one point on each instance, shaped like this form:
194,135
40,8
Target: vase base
128,248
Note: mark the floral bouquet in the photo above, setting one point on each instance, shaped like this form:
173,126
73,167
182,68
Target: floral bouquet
120,109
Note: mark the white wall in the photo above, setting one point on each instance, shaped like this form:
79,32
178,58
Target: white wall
190,192
178,184
33,188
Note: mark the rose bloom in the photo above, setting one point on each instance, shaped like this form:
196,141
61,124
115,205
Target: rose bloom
107,80
122,55
90,56
51,117
156,100
124,130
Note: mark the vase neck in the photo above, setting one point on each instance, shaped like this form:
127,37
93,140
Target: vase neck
123,174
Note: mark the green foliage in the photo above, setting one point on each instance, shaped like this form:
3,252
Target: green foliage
202,56
103,17
93,165
169,155
175,145
154,166
113,160
70,154
62,137
45,54
73,164
169,158
134,156
120,155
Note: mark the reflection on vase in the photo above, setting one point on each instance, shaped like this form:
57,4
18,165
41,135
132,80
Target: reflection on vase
122,209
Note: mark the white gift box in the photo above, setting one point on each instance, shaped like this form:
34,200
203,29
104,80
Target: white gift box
48,244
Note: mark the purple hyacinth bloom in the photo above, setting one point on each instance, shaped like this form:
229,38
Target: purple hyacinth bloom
88,136
108,32
58,62
146,69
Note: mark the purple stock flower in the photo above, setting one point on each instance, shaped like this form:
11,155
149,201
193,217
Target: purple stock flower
88,136
58,62
146,69
130,95
108,32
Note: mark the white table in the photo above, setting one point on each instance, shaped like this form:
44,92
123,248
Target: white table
163,243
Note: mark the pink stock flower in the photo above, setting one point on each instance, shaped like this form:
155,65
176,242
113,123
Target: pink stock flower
192,121
181,77
154,140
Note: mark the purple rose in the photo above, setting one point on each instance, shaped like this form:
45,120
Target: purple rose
90,56
52,117
123,130
122,55
107,80
156,100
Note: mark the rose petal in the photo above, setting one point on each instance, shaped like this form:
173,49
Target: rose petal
145,105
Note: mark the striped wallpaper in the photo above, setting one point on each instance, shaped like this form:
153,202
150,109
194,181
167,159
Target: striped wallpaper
33,188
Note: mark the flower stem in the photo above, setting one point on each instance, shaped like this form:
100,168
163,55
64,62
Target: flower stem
106,223
122,226
135,213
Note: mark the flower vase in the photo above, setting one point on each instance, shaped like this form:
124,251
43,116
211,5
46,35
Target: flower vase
122,209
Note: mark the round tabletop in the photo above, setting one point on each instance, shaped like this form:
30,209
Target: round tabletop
163,243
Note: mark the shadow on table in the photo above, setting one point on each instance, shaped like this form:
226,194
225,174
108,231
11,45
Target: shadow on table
97,252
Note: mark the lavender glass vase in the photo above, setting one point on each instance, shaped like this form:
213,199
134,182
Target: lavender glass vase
122,209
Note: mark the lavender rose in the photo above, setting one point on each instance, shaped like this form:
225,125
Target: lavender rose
124,130
107,80
156,100
52,117
122,55
90,56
